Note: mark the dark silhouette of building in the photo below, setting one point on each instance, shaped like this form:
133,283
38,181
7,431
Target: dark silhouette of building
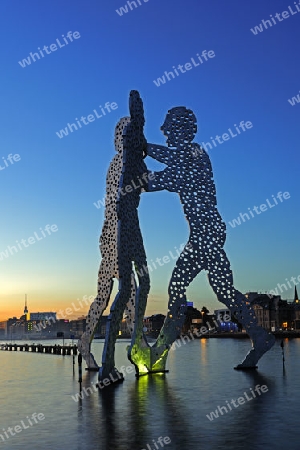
153,324
193,320
272,312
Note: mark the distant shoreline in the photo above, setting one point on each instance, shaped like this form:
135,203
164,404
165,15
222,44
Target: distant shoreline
241,335
208,335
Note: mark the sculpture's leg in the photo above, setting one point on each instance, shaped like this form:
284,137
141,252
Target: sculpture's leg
94,316
221,280
139,350
100,303
130,306
188,265
113,327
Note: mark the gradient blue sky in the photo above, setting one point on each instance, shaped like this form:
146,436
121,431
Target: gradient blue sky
58,180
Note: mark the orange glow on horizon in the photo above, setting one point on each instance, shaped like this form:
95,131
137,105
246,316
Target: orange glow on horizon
69,308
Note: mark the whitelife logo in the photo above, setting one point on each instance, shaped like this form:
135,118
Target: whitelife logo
29,241
53,47
86,119
124,9
275,290
284,15
244,126
35,417
87,391
68,311
240,401
187,66
294,100
128,188
11,158
162,441
259,209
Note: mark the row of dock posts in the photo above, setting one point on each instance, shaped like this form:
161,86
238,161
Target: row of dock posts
39,348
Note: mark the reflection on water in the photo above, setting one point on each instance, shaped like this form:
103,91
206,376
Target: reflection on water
155,402
132,414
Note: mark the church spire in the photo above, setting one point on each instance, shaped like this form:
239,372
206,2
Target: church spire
25,308
296,299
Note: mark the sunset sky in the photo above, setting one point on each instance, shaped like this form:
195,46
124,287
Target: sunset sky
56,181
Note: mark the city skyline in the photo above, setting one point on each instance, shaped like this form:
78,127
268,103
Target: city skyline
80,307
240,95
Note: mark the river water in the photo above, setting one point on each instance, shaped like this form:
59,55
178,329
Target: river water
133,415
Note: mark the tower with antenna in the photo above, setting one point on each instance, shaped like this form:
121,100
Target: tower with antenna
296,299
296,304
25,307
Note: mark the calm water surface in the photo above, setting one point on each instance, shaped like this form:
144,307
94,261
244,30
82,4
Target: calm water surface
130,415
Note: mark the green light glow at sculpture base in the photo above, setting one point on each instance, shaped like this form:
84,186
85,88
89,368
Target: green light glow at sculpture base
148,359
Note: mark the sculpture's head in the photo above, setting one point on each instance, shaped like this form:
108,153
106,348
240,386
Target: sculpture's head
119,133
180,126
136,108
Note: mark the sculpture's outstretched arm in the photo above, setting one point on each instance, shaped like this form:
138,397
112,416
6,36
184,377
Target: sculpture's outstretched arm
159,181
159,152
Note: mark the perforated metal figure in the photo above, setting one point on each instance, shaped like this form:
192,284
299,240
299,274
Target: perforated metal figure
109,268
189,173
130,243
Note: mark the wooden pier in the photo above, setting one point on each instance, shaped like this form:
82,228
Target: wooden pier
39,348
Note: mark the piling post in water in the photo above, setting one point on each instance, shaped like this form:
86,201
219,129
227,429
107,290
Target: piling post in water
80,368
282,347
